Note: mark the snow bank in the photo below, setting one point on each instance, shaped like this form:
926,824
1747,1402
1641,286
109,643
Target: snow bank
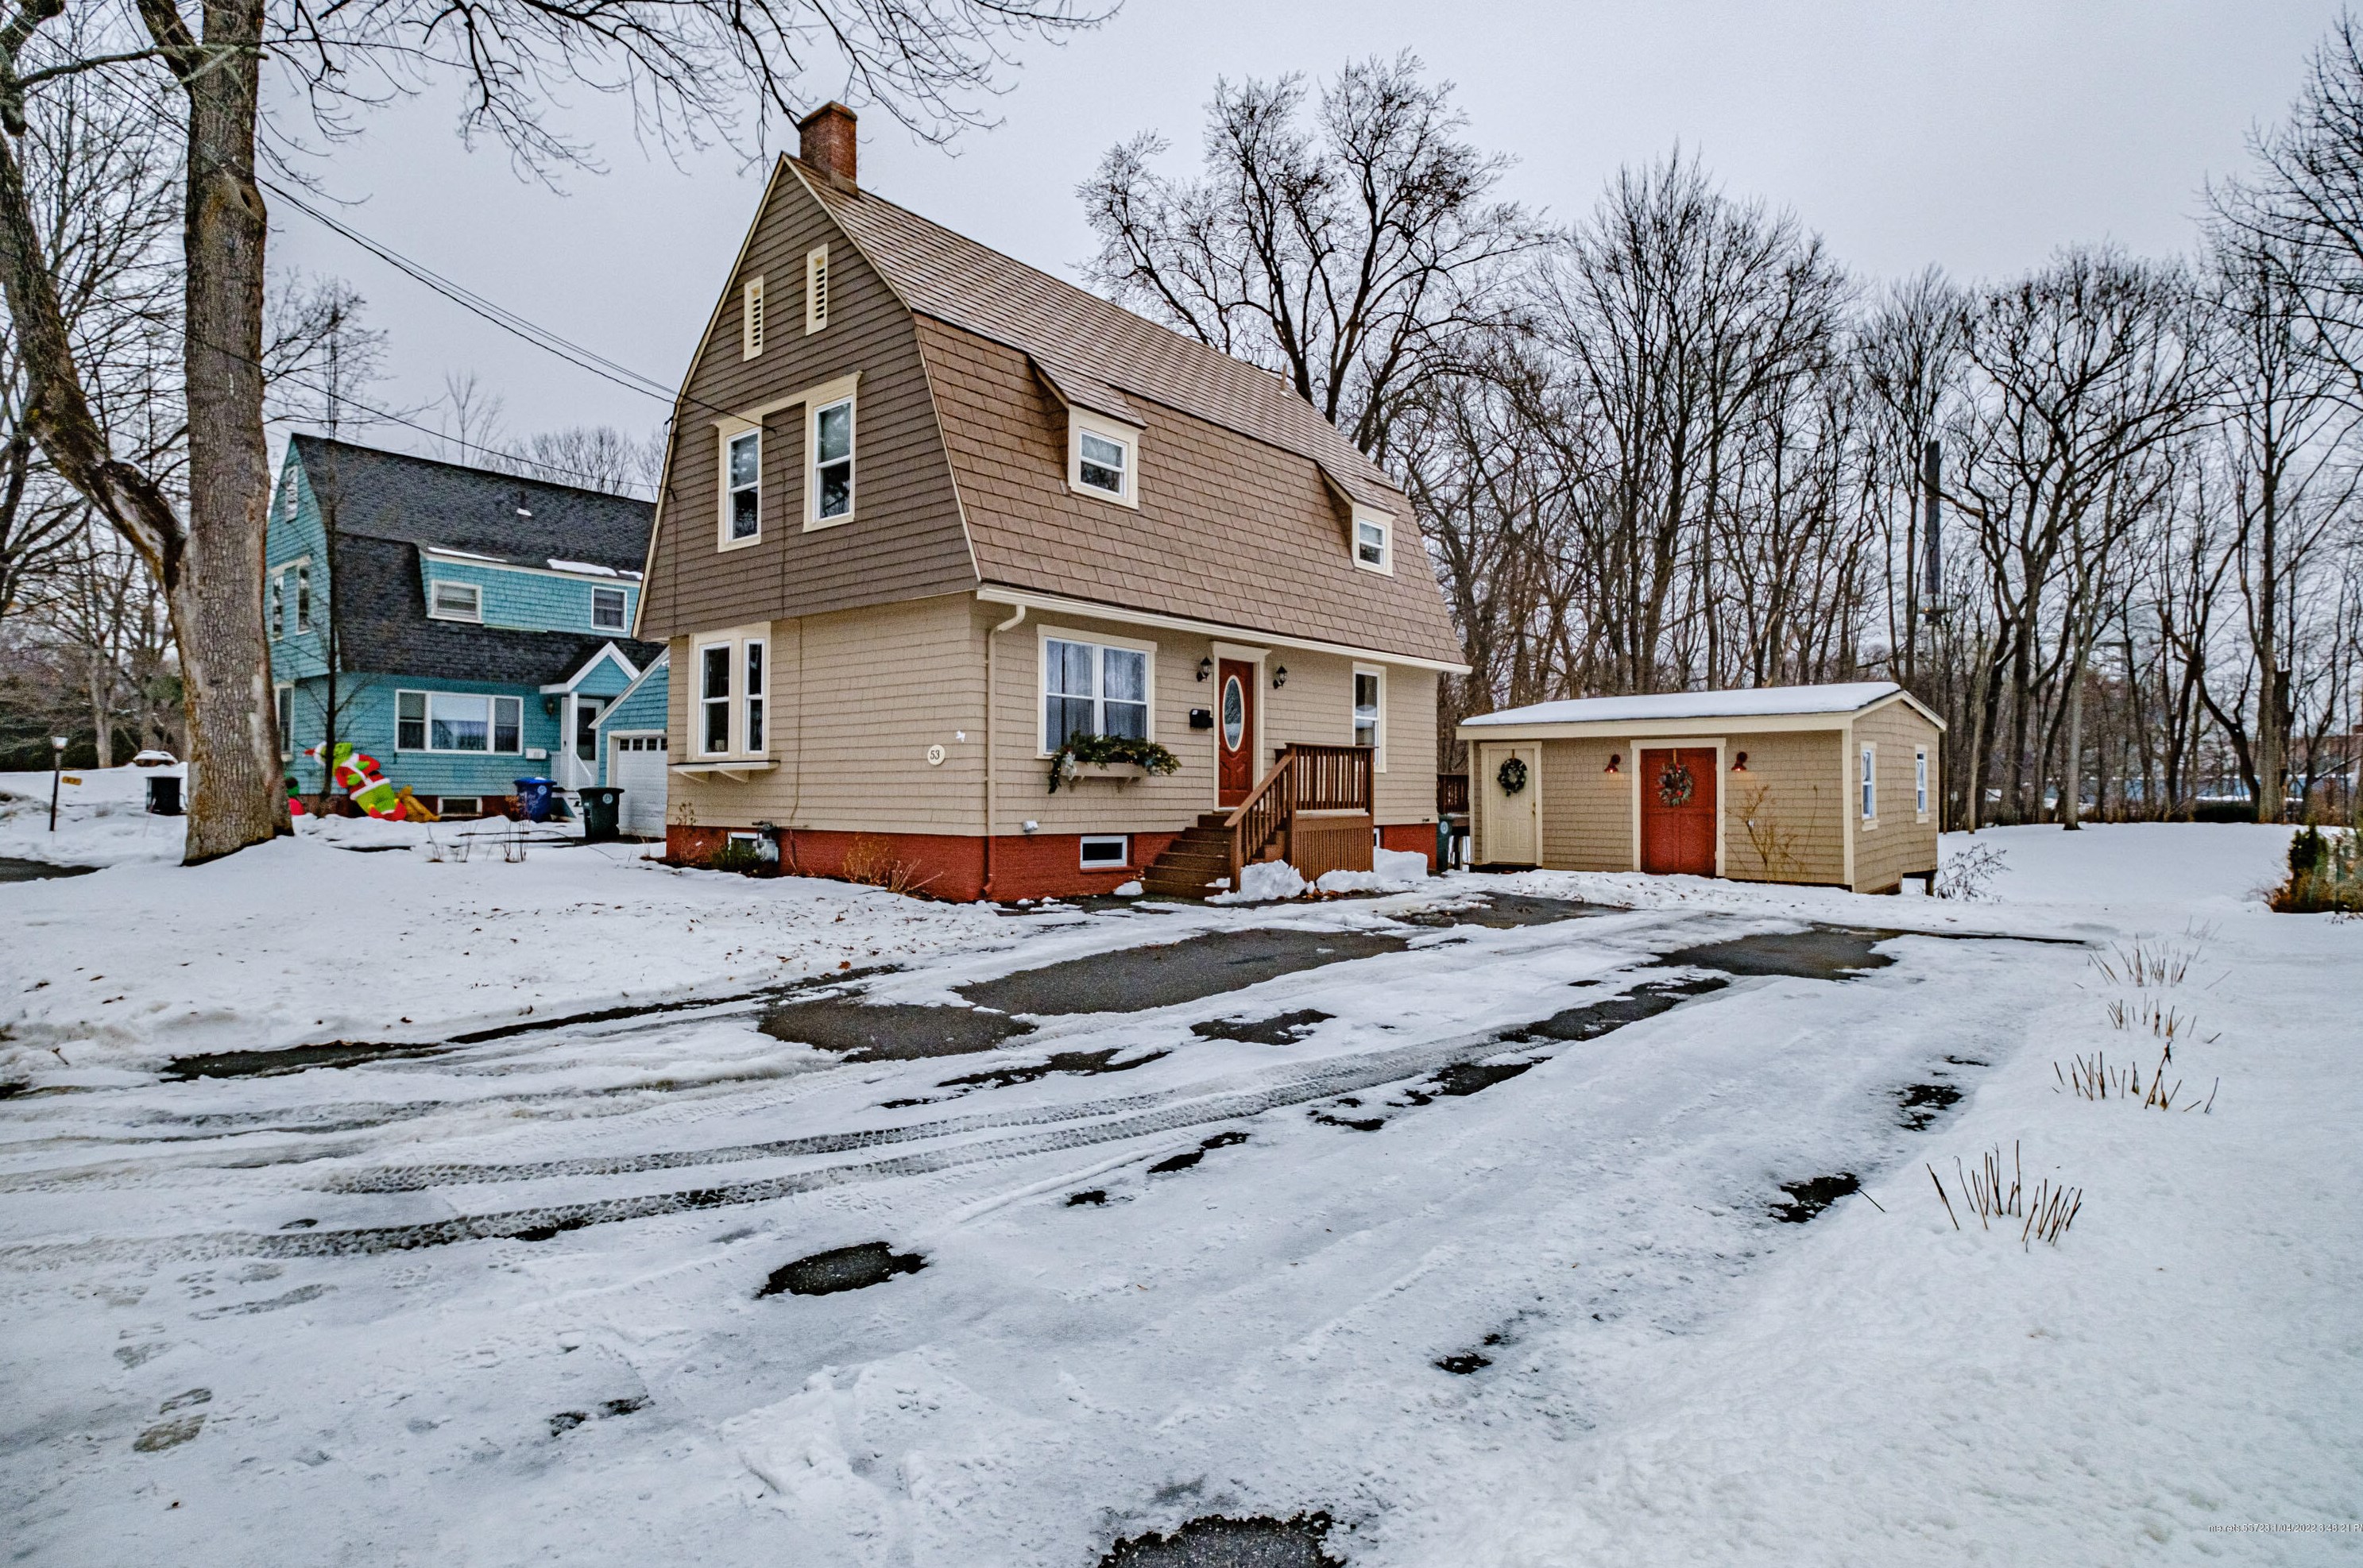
1262,882
102,817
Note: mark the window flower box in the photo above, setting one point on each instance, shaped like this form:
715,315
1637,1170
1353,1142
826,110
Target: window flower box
1116,772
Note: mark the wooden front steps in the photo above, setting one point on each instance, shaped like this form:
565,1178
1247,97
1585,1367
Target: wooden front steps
1313,809
1192,863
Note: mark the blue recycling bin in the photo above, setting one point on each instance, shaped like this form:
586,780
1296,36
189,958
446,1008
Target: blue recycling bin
533,795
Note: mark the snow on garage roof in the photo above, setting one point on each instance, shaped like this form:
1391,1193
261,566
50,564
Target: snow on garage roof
1762,701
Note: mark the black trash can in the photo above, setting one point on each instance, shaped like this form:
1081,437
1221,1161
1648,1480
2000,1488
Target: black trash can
163,795
602,809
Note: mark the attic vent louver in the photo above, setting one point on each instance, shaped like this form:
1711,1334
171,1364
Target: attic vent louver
750,322
815,288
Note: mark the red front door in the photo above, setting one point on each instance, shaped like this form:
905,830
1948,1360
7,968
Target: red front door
1677,810
1235,688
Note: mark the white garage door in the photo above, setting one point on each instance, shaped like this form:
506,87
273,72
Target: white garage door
637,767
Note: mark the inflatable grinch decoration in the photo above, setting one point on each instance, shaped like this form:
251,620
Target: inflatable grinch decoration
356,774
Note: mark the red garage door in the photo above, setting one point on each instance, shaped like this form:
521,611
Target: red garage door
1677,810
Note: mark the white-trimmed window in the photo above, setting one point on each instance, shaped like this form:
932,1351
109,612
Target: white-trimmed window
742,487
304,597
1103,458
286,713
447,600
750,736
829,462
815,288
750,319
1092,688
1869,782
1920,782
713,699
277,613
458,721
1374,541
1106,852
607,609
1370,712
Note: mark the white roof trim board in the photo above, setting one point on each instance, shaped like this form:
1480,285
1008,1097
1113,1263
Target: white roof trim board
1763,702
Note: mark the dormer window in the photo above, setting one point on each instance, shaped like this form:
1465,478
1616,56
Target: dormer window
750,320
455,602
815,288
1374,544
1101,457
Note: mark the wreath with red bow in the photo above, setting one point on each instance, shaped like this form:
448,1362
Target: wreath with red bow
1675,785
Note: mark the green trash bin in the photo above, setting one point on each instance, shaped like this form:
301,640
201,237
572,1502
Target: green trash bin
601,810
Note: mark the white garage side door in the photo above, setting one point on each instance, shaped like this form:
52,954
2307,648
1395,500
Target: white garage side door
636,765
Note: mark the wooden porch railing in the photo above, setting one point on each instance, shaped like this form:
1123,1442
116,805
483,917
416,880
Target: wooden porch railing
1302,778
1452,794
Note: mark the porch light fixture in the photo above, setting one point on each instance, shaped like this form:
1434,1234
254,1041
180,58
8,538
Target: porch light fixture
550,706
1279,676
1739,763
1613,760
1206,669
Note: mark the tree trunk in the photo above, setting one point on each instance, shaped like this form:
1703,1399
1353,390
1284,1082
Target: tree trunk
216,596
2072,773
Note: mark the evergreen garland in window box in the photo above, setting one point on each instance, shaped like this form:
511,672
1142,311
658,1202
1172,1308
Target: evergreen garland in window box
1101,756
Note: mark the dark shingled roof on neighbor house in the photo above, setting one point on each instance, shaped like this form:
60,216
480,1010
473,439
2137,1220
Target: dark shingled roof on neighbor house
388,506
418,501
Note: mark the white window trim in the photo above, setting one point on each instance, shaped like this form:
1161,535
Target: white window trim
1919,783
731,430
845,390
1379,749
282,697
624,625
742,712
275,607
1123,841
1386,524
750,318
736,639
301,598
492,722
1079,422
1867,782
435,613
817,289
1043,636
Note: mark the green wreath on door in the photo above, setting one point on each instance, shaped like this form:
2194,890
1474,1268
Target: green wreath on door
1675,785
1511,776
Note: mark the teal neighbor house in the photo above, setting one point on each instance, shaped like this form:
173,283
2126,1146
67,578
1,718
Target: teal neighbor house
465,628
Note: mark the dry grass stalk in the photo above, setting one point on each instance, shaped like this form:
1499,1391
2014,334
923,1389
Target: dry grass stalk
2144,964
2043,1216
2095,1079
871,862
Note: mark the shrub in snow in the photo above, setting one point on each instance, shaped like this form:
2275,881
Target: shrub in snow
2325,874
1967,871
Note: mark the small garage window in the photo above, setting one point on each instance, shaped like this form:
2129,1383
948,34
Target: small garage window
1870,783
1920,782
1106,852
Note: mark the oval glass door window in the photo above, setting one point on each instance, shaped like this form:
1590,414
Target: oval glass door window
1235,714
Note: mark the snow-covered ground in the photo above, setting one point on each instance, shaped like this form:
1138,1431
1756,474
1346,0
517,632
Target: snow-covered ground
503,1301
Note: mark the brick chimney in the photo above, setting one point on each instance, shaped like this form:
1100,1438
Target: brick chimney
828,140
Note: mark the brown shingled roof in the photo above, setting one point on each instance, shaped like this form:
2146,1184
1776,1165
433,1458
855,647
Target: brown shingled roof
1245,534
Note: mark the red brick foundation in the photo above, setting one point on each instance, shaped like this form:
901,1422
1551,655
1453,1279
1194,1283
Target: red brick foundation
1410,838
952,865
939,865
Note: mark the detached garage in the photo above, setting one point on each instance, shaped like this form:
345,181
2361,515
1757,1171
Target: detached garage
1835,785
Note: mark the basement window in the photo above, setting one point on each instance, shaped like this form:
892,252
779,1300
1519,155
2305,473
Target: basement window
1106,852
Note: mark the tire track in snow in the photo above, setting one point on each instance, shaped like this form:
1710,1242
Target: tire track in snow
542,1223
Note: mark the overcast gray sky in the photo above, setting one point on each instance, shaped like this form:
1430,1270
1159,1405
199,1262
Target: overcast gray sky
1976,135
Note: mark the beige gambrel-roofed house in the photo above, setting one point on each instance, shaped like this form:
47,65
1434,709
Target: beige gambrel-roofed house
928,511
1834,784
